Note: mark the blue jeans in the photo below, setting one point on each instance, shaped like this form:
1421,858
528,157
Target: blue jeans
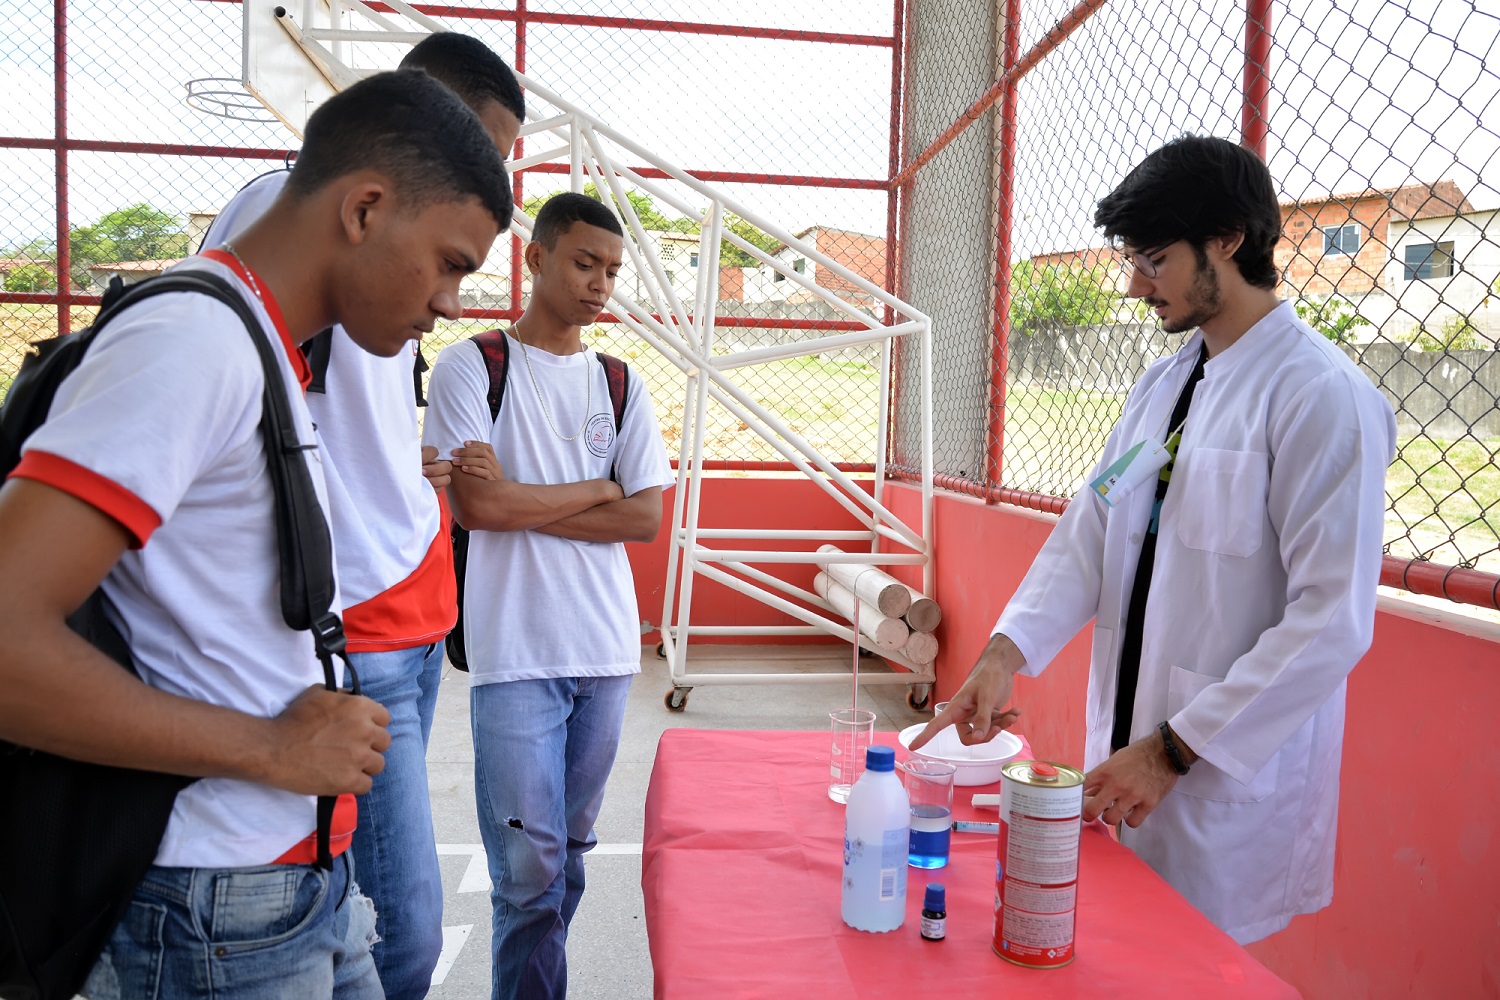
394,845
262,933
542,753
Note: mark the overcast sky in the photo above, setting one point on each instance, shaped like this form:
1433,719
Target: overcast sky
1364,93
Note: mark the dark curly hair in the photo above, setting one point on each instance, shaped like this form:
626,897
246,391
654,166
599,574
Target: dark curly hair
1195,188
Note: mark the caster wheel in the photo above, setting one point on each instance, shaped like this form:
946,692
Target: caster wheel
919,703
661,651
676,699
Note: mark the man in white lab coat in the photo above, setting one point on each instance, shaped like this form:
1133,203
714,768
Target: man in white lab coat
1229,563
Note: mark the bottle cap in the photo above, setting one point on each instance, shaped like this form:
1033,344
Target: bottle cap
880,759
936,898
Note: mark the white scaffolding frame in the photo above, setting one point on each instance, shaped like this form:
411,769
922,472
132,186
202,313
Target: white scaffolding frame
684,333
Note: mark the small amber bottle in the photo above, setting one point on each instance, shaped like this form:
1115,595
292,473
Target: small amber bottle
935,912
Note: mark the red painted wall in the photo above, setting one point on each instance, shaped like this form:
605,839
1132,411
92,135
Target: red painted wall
728,502
1416,911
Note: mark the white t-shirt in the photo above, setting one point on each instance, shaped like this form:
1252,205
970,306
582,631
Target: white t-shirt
159,428
395,563
536,605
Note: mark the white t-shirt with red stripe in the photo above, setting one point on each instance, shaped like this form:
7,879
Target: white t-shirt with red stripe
395,562
159,428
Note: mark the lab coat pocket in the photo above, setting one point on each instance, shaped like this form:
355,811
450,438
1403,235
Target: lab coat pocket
1222,507
1205,781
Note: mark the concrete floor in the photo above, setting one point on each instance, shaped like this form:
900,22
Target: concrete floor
608,957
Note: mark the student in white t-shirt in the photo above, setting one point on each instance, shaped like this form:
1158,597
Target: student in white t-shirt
150,478
395,559
550,620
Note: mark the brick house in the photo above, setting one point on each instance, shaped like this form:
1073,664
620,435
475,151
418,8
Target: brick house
859,252
1343,243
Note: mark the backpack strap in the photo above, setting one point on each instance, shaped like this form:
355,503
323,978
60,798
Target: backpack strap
304,546
617,375
318,349
494,347
419,365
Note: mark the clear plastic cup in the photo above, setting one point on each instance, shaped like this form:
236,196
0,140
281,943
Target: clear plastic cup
929,788
853,729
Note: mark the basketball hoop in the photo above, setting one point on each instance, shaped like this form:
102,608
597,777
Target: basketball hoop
226,97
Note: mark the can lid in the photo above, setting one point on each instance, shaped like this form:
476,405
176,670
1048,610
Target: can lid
1042,771
880,759
936,898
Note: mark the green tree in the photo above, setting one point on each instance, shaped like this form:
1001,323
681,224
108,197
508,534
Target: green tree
136,232
30,278
652,218
1060,295
1458,333
1335,317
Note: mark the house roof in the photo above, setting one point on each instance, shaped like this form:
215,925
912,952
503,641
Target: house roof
1410,201
824,229
128,266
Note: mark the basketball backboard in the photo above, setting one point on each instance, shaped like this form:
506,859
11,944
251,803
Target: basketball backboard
296,55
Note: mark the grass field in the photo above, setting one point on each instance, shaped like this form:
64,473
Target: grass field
1444,495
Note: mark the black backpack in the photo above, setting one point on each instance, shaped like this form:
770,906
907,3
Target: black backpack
496,351
76,838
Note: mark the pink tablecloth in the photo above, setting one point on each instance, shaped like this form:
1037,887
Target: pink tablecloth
741,868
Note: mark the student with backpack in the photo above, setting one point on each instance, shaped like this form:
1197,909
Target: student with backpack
395,563
150,480
550,483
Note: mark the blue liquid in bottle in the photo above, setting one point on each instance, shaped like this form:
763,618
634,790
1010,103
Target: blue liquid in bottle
931,828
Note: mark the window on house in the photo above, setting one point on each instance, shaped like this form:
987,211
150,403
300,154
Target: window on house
1341,239
1428,260
692,260
778,276
799,265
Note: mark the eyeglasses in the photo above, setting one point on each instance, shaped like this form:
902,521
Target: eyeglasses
1141,259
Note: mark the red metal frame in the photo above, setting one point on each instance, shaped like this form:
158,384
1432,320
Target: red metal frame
60,129
1457,584
994,459
1255,116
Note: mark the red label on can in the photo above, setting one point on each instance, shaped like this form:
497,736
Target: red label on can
1036,870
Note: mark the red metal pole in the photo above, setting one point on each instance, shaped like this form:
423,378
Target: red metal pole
60,87
516,246
1255,118
995,451
892,195
892,204
1051,40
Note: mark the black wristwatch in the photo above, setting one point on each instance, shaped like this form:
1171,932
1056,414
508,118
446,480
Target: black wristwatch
1174,754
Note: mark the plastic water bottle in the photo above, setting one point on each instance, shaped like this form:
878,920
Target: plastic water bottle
877,825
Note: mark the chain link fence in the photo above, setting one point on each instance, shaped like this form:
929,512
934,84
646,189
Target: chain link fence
1380,123
1381,133
110,169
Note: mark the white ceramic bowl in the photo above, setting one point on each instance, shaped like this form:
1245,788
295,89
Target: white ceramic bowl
977,765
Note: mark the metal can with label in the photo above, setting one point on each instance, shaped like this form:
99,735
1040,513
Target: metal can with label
1036,870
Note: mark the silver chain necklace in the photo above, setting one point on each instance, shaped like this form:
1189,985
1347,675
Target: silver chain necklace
228,248
588,392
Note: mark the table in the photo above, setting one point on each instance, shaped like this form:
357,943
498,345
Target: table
741,868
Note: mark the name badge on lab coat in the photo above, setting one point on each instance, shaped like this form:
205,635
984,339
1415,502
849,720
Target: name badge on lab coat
1136,466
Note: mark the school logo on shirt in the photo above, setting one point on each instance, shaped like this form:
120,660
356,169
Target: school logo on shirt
600,434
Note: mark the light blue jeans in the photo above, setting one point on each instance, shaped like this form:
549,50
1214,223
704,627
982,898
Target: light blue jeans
394,846
542,753
264,933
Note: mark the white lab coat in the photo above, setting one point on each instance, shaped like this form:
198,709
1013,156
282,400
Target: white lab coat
1262,601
